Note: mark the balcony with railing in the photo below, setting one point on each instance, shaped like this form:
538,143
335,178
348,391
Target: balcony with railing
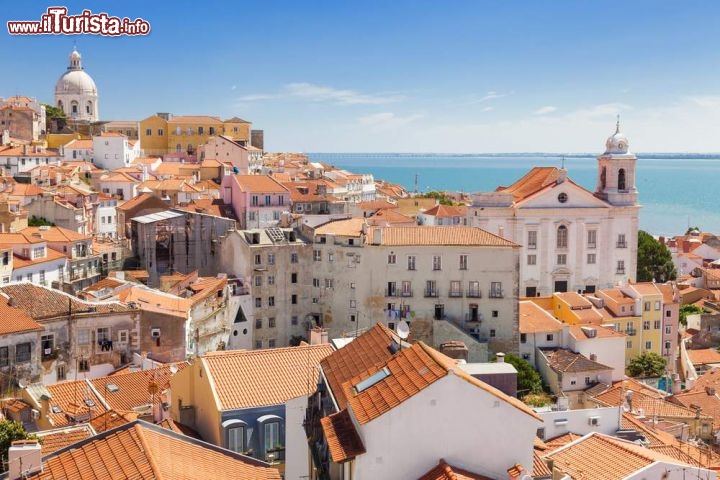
431,293
621,244
455,294
474,293
631,332
496,294
620,271
391,292
406,293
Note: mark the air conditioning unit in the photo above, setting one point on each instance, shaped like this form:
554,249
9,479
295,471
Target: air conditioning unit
35,414
594,421
155,333
48,351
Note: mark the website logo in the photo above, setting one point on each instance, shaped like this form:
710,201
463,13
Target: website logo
57,22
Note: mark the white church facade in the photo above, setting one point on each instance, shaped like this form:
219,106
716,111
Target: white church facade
76,93
572,239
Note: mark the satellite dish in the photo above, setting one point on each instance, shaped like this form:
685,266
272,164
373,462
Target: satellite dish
21,384
173,369
403,329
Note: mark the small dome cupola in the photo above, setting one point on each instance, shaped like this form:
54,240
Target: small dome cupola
618,142
75,60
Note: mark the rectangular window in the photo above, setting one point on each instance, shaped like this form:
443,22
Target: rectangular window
532,259
391,259
294,320
236,439
523,338
258,259
39,252
668,313
254,201
258,302
22,352
271,343
591,259
42,277
317,255
161,132
492,332
463,262
657,305
4,357
549,337
258,323
316,282
271,301
628,344
271,322
656,324
621,243
620,267
293,299
668,330
646,325
562,259
83,336
592,238
455,290
258,344
103,334
83,365
47,344
293,277
532,240
406,289
329,283
437,262
148,132
474,289
272,435
411,262
648,345
331,256
496,290
353,304
271,259
258,280
60,373
123,336
271,280
293,258
267,200
647,306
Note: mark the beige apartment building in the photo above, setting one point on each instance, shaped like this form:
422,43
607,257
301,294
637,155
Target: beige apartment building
424,275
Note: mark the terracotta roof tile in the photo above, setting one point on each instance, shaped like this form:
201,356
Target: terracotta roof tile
445,471
260,184
436,235
139,450
244,378
650,402
561,440
564,361
350,227
534,319
342,438
43,303
54,234
446,211
15,320
112,419
76,402
533,181
54,440
598,456
704,356
193,119
178,427
367,350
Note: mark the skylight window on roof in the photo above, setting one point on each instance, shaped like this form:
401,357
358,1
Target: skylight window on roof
111,387
56,409
372,380
89,402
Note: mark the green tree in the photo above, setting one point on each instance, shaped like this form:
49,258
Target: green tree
689,309
295,340
654,262
34,221
9,432
441,197
687,232
53,112
647,364
529,380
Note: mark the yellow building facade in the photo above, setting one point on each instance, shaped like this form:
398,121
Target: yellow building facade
164,134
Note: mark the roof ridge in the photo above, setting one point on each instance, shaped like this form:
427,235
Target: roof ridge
147,451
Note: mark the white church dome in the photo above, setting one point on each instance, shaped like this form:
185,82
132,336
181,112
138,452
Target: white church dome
75,81
618,142
76,92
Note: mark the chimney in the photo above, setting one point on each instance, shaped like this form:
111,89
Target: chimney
5,137
500,357
25,149
562,175
318,336
11,301
710,390
516,472
24,458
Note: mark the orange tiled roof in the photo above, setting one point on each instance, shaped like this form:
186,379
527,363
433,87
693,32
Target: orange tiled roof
133,388
78,144
15,320
118,177
534,319
598,456
408,372
260,184
54,440
349,227
74,399
704,356
43,303
54,234
445,471
437,236
600,332
533,181
366,350
140,450
388,217
708,401
540,468
112,419
50,256
651,403
244,379
564,361
446,211
135,201
193,119
575,300
561,440
711,378
342,438
178,427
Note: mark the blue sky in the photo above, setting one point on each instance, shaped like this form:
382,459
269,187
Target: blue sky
405,76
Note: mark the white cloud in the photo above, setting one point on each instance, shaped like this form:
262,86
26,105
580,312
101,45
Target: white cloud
706,101
324,94
489,96
487,109
233,87
545,110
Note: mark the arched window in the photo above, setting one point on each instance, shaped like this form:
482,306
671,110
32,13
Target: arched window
190,149
178,148
562,236
60,105
74,107
603,178
621,179
88,108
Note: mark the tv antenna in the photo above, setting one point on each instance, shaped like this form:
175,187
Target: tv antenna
402,330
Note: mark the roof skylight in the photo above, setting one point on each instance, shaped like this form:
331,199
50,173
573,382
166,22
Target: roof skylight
372,380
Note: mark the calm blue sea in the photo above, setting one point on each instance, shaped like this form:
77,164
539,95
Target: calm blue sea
675,190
